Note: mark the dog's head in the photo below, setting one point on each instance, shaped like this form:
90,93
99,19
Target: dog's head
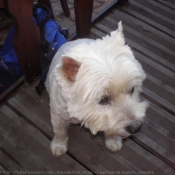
101,83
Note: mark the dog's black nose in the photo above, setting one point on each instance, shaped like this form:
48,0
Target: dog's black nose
133,128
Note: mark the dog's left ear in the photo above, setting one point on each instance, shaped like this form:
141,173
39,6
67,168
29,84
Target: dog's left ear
70,67
118,35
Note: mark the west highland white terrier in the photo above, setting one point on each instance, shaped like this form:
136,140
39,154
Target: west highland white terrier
96,83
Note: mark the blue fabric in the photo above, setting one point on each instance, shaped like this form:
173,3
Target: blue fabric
10,69
53,35
8,46
9,60
40,15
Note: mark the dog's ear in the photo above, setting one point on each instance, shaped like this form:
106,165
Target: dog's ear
118,35
70,67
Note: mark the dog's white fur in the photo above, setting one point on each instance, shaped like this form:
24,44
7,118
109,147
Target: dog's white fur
90,82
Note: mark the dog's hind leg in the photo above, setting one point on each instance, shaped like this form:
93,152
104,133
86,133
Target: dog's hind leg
113,142
59,143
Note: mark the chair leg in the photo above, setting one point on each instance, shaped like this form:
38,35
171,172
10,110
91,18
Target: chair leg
83,15
65,7
122,2
26,42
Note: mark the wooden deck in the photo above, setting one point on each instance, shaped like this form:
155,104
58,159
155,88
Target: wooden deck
25,128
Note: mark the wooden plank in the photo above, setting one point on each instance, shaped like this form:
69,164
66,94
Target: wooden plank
11,148
30,129
34,146
159,100
158,92
151,55
138,14
97,158
137,37
87,149
97,33
11,89
42,100
155,9
161,117
30,116
26,158
33,106
39,104
160,83
170,4
144,31
159,132
152,149
153,135
160,135
94,145
149,157
9,164
44,95
157,71
138,47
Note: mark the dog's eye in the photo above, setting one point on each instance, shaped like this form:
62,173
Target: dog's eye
105,100
131,91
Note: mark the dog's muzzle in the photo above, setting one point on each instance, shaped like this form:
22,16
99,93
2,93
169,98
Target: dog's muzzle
133,128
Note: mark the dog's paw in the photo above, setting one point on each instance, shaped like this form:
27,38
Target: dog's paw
58,148
114,143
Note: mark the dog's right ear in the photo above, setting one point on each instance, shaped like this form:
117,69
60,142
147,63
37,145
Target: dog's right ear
70,67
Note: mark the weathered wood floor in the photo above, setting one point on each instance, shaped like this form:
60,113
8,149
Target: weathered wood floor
25,128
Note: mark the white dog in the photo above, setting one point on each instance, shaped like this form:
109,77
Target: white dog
96,83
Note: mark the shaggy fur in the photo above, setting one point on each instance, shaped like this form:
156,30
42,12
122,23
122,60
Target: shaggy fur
96,83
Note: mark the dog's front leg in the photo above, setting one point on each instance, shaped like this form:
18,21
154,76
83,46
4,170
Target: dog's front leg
113,142
59,143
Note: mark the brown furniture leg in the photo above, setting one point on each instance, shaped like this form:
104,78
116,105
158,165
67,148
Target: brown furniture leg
26,41
1,4
122,2
65,7
83,15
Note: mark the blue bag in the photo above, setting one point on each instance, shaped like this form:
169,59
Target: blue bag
52,36
10,69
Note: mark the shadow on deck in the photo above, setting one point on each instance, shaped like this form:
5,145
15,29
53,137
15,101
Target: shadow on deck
25,128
